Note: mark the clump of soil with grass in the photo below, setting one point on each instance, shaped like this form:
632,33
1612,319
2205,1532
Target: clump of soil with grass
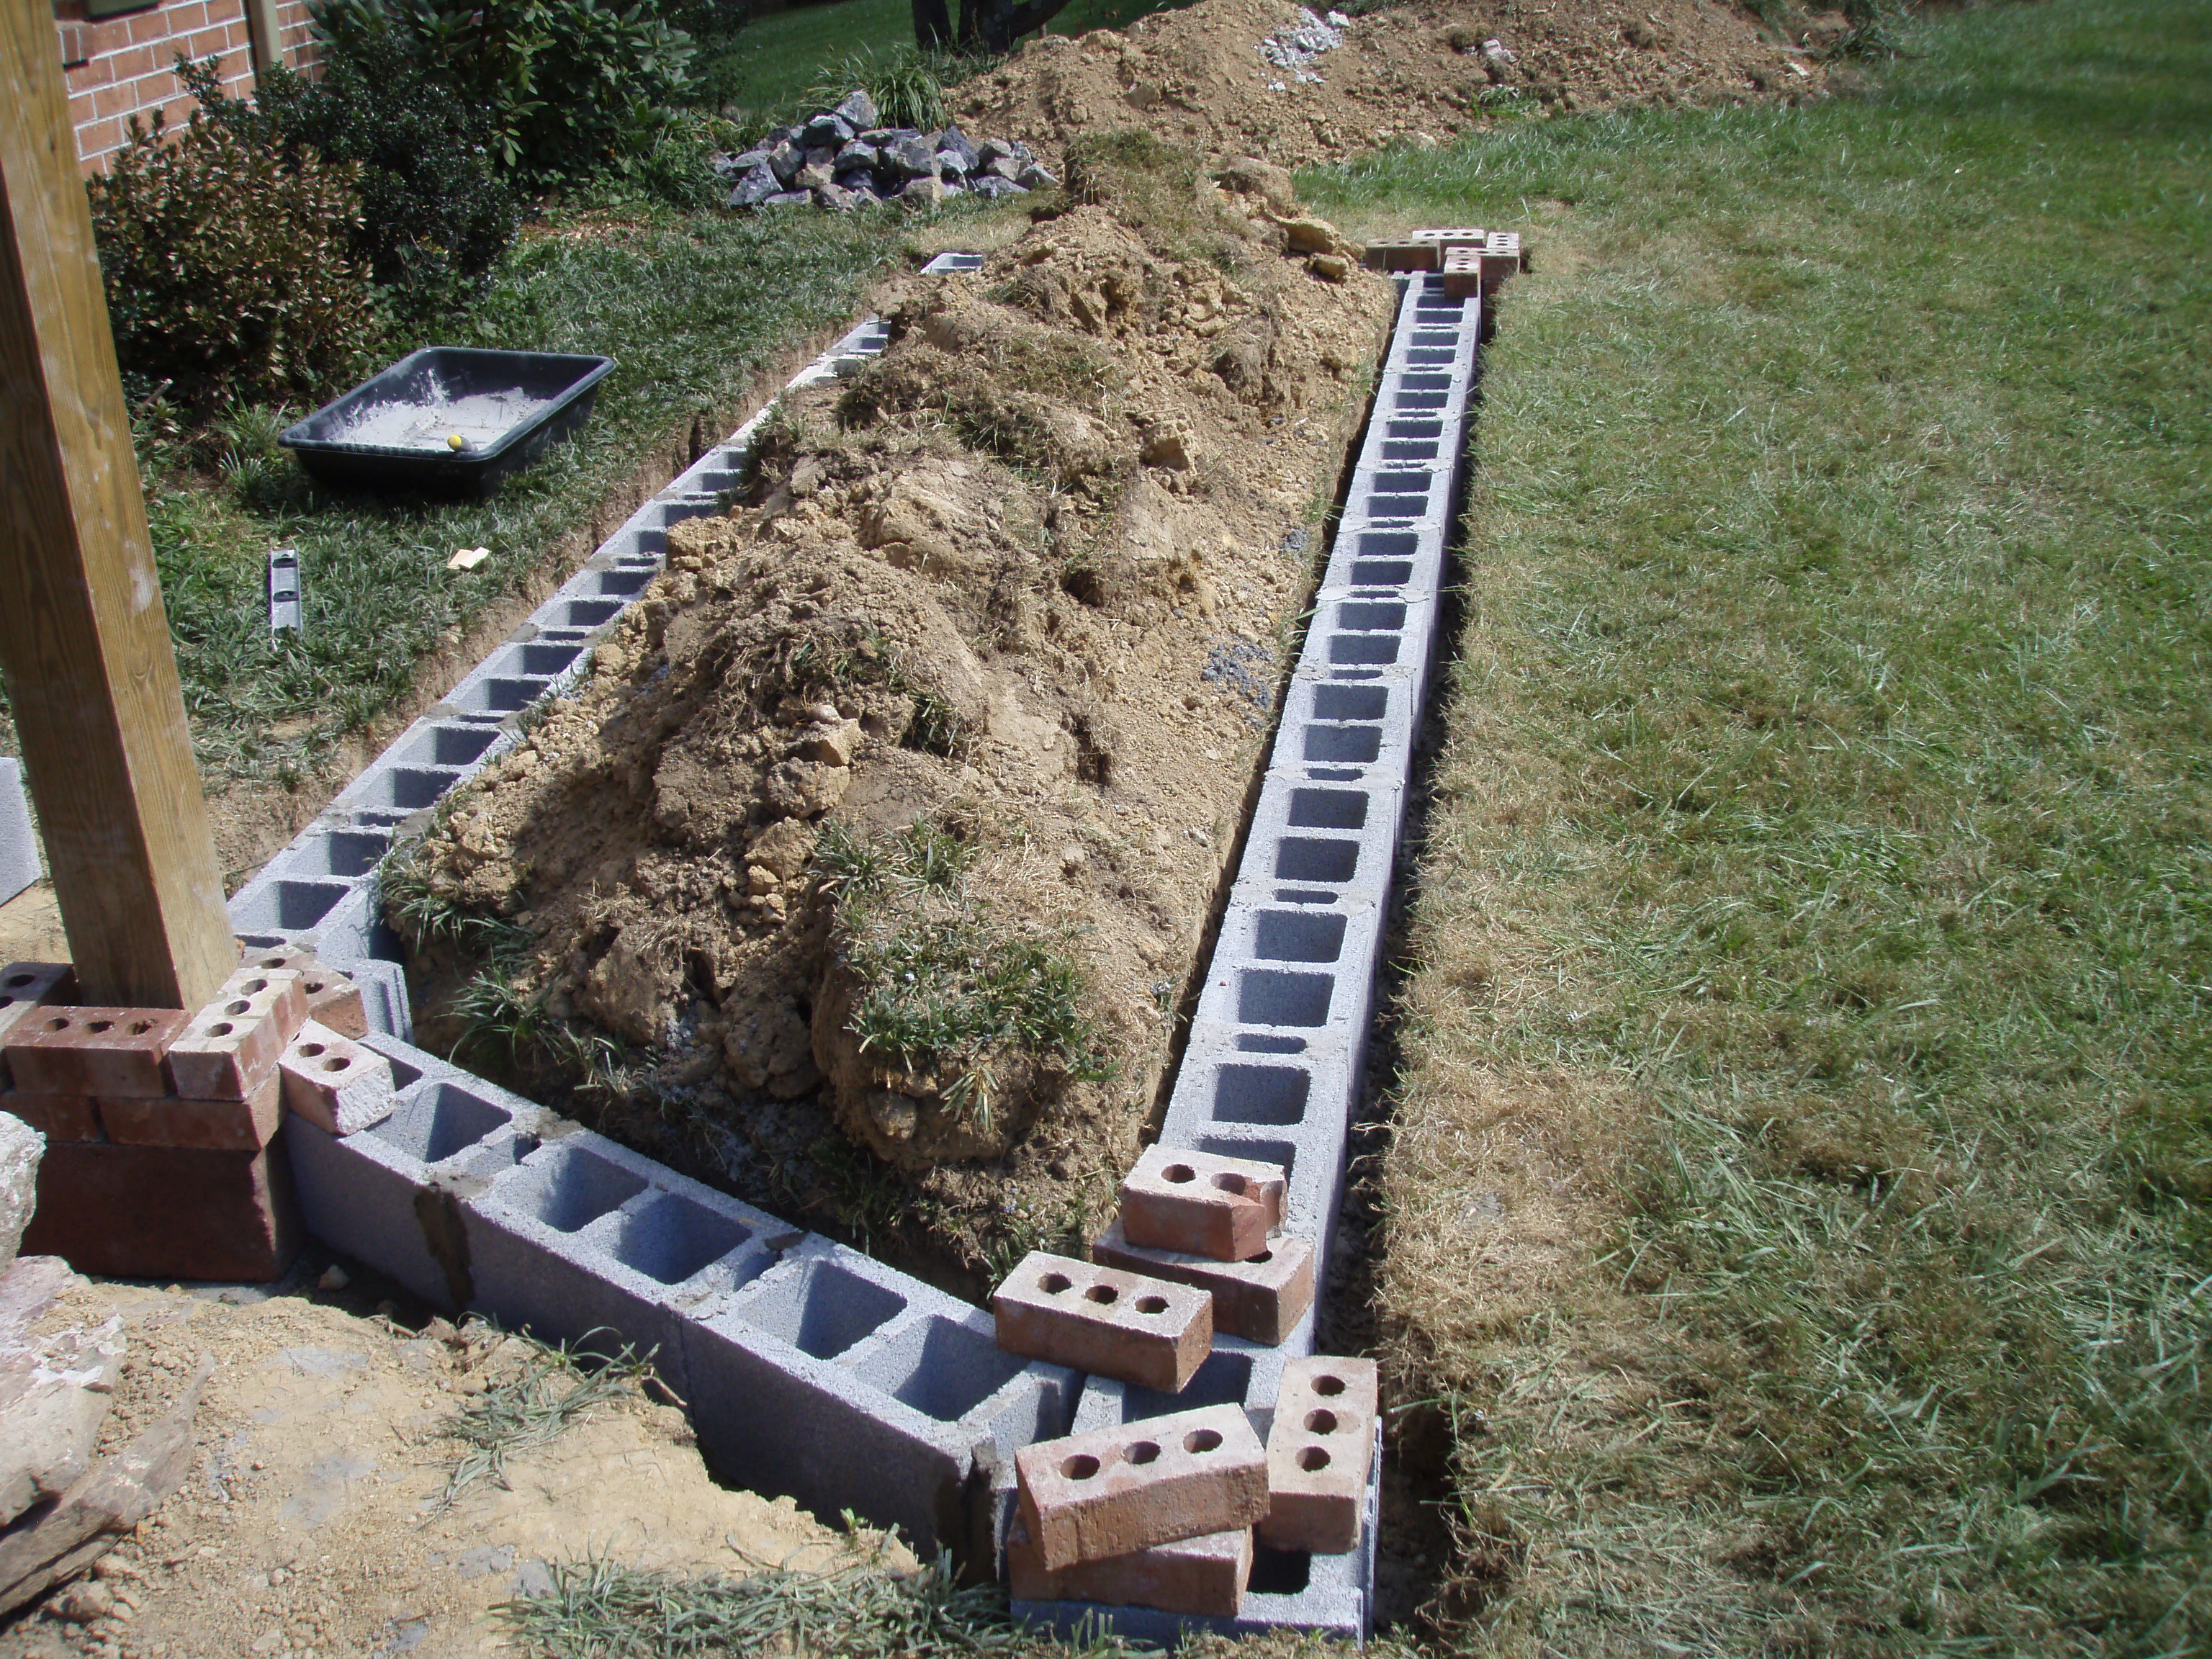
1195,78
864,871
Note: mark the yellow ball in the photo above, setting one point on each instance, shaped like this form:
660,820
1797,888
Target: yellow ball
457,441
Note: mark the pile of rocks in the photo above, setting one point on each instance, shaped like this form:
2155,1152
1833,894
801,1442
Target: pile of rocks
842,159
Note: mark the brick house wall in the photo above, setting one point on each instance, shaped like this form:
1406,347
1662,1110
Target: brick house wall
119,67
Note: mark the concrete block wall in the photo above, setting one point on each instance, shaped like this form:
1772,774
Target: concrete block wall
1274,1061
317,892
810,1369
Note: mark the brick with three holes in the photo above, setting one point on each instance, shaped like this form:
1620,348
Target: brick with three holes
1114,1491
1318,1453
1103,1320
57,1050
1260,1300
231,1048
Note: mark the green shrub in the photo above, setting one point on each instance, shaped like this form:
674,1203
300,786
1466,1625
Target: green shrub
567,85
906,82
229,268
437,211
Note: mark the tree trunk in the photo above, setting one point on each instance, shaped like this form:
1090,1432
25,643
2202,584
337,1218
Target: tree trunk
932,26
993,25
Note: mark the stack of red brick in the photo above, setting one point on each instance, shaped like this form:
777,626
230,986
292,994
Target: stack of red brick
1162,1512
1471,260
163,1159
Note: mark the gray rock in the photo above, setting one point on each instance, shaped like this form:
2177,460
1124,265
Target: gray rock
858,111
863,185
19,842
755,188
927,190
789,198
912,157
831,130
879,135
950,166
821,168
835,198
991,150
785,160
855,156
991,186
1033,176
93,1514
1000,166
1021,151
746,161
21,1148
55,1381
954,140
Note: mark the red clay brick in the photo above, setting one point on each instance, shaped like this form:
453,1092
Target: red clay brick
1114,1491
333,1000
1402,256
57,1117
230,1125
165,1212
1201,1204
25,986
1447,239
1260,1300
1463,278
93,1051
1104,1320
1318,1453
233,1045
335,1085
1202,1575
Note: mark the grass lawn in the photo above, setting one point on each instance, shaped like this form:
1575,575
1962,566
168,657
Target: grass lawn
1797,1197
691,309
758,72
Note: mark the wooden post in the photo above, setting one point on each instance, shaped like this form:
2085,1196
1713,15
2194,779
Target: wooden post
84,639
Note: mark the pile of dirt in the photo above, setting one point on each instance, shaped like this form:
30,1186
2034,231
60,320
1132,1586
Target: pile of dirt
311,1525
901,799
1198,77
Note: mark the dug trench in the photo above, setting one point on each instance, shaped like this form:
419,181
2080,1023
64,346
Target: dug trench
864,874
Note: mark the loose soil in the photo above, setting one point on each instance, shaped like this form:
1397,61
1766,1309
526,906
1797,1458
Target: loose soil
1020,593
1195,78
310,1526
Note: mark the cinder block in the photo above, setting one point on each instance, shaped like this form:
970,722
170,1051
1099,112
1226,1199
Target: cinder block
1199,1204
229,1050
25,986
334,1082
848,1385
391,1195
1104,1319
587,1242
1319,1450
57,1117
233,1126
165,1213
19,842
93,1051
1114,1491
1260,1300
1202,1575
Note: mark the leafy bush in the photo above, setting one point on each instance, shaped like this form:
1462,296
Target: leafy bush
437,209
228,265
567,85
